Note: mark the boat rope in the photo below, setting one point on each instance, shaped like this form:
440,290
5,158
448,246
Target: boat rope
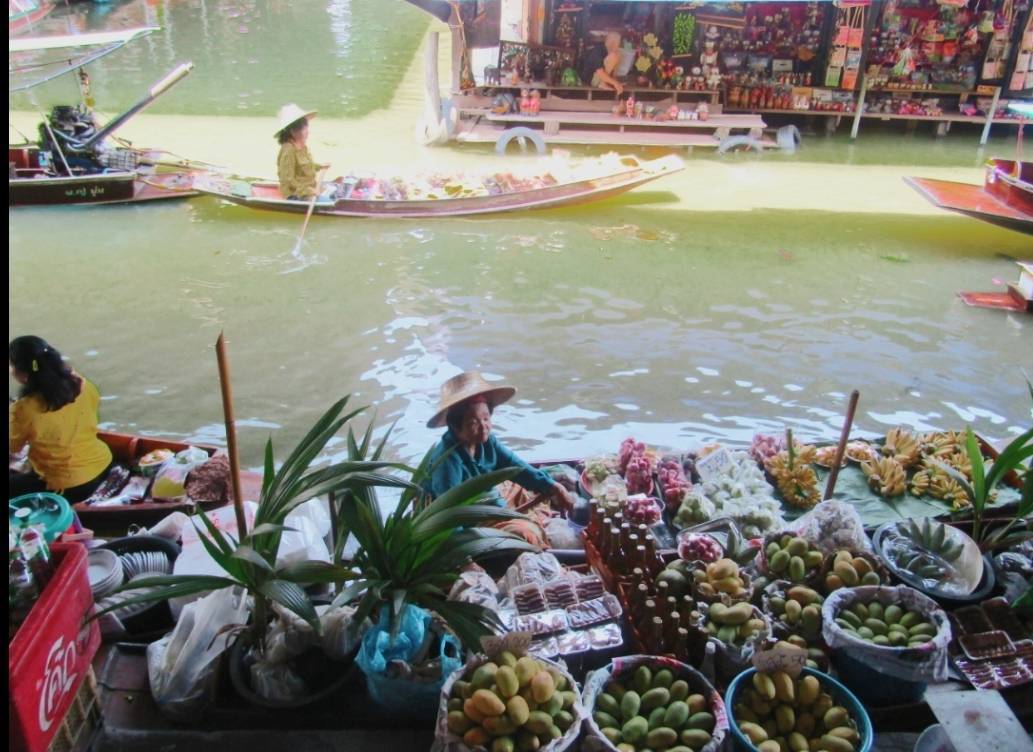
18,131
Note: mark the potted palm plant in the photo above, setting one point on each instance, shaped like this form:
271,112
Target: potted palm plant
251,563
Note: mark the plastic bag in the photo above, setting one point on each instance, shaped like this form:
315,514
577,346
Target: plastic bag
446,741
563,535
1015,571
170,482
476,587
181,666
276,681
339,639
924,663
831,526
698,684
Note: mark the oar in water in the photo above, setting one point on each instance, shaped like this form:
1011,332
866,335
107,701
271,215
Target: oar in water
308,214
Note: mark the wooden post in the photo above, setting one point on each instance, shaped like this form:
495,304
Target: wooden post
844,436
432,87
860,108
990,117
231,432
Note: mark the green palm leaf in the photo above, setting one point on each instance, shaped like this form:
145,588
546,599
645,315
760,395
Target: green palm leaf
291,596
468,491
166,587
472,515
314,572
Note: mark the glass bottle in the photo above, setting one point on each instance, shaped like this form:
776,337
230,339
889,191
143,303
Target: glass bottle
647,615
656,636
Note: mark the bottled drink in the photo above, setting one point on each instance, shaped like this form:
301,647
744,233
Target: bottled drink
656,636
37,555
673,625
22,589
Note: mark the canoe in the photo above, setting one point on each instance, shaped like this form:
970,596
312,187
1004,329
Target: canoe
23,15
29,184
553,185
127,450
1005,198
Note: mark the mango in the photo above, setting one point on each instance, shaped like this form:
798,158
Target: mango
642,680
526,668
630,705
542,686
553,705
661,737
861,610
810,618
569,698
797,569
797,546
835,744
736,615
797,742
462,690
784,689
805,724
702,720
616,690
753,732
656,718
851,618
695,738
847,573
558,679
779,563
605,720
539,722
764,685
476,737
785,719
836,716
871,579
875,610
488,703
456,703
697,704
635,730
679,689
832,582
743,713
527,742
499,726
484,676
878,626
846,732
613,736
722,569
517,710
608,704
793,611
808,691
769,745
813,559
563,720
655,698
805,596
676,715
910,619
506,658
503,744
507,681
458,723
475,715
922,628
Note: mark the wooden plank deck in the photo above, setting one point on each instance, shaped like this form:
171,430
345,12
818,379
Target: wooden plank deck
488,133
713,123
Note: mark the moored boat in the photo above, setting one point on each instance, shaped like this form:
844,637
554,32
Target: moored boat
556,184
22,15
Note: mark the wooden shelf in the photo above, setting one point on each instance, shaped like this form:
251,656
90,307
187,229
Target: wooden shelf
915,90
714,122
771,111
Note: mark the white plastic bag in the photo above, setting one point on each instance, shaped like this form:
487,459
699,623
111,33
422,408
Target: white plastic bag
562,535
833,525
339,640
181,666
170,482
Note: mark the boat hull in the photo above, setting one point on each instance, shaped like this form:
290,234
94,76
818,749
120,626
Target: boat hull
21,22
31,186
1006,199
266,196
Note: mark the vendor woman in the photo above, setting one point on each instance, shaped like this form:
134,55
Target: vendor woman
294,167
56,416
466,407
601,62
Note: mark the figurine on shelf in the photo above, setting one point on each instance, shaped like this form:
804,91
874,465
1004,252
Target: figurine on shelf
564,35
535,103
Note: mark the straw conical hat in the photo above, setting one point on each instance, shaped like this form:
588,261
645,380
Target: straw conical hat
463,387
290,113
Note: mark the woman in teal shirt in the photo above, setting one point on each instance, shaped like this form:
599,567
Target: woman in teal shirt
467,403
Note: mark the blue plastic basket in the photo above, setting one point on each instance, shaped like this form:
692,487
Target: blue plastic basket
840,694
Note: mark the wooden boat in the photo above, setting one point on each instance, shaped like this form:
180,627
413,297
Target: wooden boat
75,162
127,450
558,184
22,15
1004,199
1017,297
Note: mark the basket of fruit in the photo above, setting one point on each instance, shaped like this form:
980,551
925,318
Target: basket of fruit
795,613
736,632
774,711
646,702
786,556
887,642
502,703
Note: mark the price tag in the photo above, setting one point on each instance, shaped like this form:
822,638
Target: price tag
782,657
718,462
517,643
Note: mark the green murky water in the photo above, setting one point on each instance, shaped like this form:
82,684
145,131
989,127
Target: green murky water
636,316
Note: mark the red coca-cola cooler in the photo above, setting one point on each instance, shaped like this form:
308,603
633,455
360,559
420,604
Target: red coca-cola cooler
50,655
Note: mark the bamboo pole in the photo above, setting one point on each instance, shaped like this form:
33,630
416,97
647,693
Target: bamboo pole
844,436
231,432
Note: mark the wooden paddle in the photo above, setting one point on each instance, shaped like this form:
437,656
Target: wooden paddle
311,206
231,433
844,436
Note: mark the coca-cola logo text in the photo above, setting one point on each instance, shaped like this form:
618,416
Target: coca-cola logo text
59,677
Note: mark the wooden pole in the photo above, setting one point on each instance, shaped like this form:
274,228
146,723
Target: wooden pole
311,206
990,117
844,436
231,432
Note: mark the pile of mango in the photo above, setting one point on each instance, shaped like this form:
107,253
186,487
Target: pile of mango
653,711
889,626
850,571
779,713
793,558
734,625
800,611
512,705
720,577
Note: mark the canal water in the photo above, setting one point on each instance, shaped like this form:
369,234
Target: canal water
742,294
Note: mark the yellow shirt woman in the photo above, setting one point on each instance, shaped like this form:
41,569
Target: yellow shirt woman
63,446
296,171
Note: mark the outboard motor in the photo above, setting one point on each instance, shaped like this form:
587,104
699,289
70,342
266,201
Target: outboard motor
69,129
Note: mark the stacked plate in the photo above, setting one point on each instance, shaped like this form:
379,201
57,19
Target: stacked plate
104,569
145,562
133,566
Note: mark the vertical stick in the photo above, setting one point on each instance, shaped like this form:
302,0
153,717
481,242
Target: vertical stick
860,107
231,432
990,117
844,436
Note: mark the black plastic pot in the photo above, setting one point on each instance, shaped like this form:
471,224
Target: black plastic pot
157,619
333,676
981,593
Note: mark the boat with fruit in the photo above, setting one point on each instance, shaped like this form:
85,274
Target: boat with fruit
553,184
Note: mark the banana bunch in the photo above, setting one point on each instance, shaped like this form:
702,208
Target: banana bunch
886,476
794,476
932,480
943,443
902,446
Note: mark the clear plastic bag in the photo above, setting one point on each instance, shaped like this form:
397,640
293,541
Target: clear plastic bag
562,535
339,639
170,482
832,526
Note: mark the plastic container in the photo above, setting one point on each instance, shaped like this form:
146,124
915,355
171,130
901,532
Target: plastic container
48,510
873,686
842,696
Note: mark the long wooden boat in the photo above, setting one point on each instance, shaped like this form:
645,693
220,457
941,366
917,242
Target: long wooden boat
127,450
75,162
22,15
30,184
554,185
1005,198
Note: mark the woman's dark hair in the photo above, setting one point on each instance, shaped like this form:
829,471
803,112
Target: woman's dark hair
48,376
287,134
457,413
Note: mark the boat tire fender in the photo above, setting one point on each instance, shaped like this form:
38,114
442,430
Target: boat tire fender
736,143
788,138
523,135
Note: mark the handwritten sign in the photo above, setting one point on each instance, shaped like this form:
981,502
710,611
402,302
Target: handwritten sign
717,463
517,643
782,657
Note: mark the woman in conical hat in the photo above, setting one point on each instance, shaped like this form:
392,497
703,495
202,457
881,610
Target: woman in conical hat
470,448
295,167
